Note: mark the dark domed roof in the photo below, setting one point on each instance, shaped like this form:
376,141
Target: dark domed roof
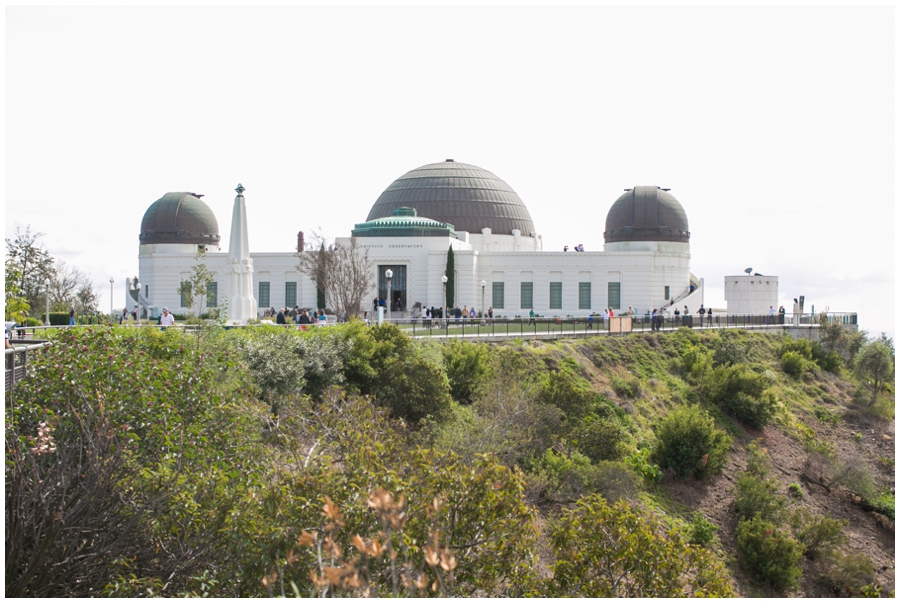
464,195
646,213
179,218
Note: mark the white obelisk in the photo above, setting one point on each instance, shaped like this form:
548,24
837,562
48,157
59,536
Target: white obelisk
241,303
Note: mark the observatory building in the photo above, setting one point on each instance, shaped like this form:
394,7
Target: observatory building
498,252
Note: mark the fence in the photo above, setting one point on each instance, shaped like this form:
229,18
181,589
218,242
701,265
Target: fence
17,362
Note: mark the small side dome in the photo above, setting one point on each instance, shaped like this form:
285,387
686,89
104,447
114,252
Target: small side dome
179,218
646,213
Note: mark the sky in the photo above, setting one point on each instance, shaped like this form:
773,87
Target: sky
773,126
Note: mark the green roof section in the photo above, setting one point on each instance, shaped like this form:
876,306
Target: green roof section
404,223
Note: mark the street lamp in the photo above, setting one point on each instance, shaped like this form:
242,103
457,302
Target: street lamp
47,298
136,287
111,281
483,313
444,300
389,274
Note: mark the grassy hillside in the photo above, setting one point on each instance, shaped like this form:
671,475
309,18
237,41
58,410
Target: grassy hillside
354,460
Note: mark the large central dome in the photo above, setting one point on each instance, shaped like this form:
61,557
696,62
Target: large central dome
464,195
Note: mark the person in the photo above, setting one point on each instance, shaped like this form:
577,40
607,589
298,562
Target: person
124,316
279,318
134,314
71,316
770,319
677,312
166,320
565,247
323,320
472,312
457,313
606,319
653,317
491,315
692,287
685,310
590,325
531,319
709,316
781,315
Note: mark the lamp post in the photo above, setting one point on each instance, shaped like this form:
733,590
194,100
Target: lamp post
111,281
444,300
389,274
483,313
136,287
47,298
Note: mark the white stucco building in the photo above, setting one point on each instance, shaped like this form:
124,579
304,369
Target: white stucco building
498,252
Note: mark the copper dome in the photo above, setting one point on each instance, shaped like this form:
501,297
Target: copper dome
646,213
460,194
179,218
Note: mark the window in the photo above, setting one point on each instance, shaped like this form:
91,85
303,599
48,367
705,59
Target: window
666,296
527,292
497,296
212,295
185,294
556,296
290,294
614,295
264,295
584,296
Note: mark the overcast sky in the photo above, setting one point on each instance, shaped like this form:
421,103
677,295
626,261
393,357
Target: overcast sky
773,126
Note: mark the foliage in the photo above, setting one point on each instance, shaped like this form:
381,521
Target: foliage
643,466
769,553
874,364
195,289
702,531
741,393
556,478
846,573
343,272
468,367
757,496
33,265
883,503
605,550
793,363
753,412
695,361
795,491
601,439
690,443
819,535
727,351
16,303
450,273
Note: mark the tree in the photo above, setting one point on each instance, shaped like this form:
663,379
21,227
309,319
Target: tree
194,291
875,364
34,264
16,305
343,272
451,279
69,287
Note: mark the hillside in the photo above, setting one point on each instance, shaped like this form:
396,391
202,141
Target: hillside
355,460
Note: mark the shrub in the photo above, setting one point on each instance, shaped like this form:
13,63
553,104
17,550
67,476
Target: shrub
695,361
563,479
883,503
769,553
467,366
803,347
727,351
795,491
846,573
605,550
819,535
689,442
31,321
629,387
753,412
793,363
601,439
702,531
757,496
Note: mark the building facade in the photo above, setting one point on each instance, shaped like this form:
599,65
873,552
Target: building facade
498,254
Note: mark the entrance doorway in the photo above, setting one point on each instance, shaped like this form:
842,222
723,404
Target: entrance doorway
396,298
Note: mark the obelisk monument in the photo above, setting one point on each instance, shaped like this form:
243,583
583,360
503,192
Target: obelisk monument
241,303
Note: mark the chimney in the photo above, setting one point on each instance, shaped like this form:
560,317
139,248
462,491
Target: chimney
300,241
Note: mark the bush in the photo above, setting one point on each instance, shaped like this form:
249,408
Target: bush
727,351
602,439
846,573
605,550
793,363
31,321
742,394
702,531
689,442
467,366
819,535
795,491
695,361
564,479
770,554
753,412
757,497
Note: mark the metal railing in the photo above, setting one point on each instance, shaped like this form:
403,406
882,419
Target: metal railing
17,361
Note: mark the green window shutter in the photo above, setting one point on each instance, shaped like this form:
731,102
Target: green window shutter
263,295
497,296
212,295
584,296
185,293
290,294
614,295
527,297
556,296
666,296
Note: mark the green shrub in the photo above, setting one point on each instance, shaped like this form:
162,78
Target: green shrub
604,550
819,535
753,412
795,491
695,361
727,350
602,439
757,497
467,366
643,466
827,416
883,503
690,443
769,553
793,363
846,573
803,347
561,479
702,531
31,321
629,387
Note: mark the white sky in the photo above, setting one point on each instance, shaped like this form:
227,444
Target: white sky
773,126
